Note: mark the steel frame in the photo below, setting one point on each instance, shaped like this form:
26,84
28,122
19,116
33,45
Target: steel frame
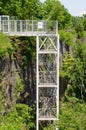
47,79
47,64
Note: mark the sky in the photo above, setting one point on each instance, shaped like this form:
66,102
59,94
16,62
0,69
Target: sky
75,7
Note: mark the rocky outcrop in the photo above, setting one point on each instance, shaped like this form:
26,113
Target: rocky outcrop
16,83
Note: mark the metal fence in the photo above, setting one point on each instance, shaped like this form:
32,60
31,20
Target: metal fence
28,26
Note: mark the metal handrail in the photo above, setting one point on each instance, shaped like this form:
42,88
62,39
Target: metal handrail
25,26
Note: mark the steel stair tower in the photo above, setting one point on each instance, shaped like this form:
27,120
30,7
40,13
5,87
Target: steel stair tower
47,79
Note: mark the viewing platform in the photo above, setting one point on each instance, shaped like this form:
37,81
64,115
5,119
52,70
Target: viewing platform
27,27
47,63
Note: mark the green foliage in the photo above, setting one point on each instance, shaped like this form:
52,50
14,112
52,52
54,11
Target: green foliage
84,21
67,37
79,28
19,118
72,115
24,62
34,9
72,111
72,69
5,45
77,71
80,50
1,102
25,9
72,108
55,11
19,87
30,47
50,127
78,25
67,66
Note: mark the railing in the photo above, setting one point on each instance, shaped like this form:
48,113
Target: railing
27,27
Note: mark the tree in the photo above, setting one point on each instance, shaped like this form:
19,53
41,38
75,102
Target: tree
84,21
5,45
77,24
72,115
55,11
19,118
25,9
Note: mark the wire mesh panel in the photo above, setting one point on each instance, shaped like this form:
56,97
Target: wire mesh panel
5,25
18,25
47,125
47,102
24,25
12,26
47,68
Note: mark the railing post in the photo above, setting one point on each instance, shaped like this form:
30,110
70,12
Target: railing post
8,26
32,25
56,27
21,26
15,23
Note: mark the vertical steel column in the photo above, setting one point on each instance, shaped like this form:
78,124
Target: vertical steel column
37,80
